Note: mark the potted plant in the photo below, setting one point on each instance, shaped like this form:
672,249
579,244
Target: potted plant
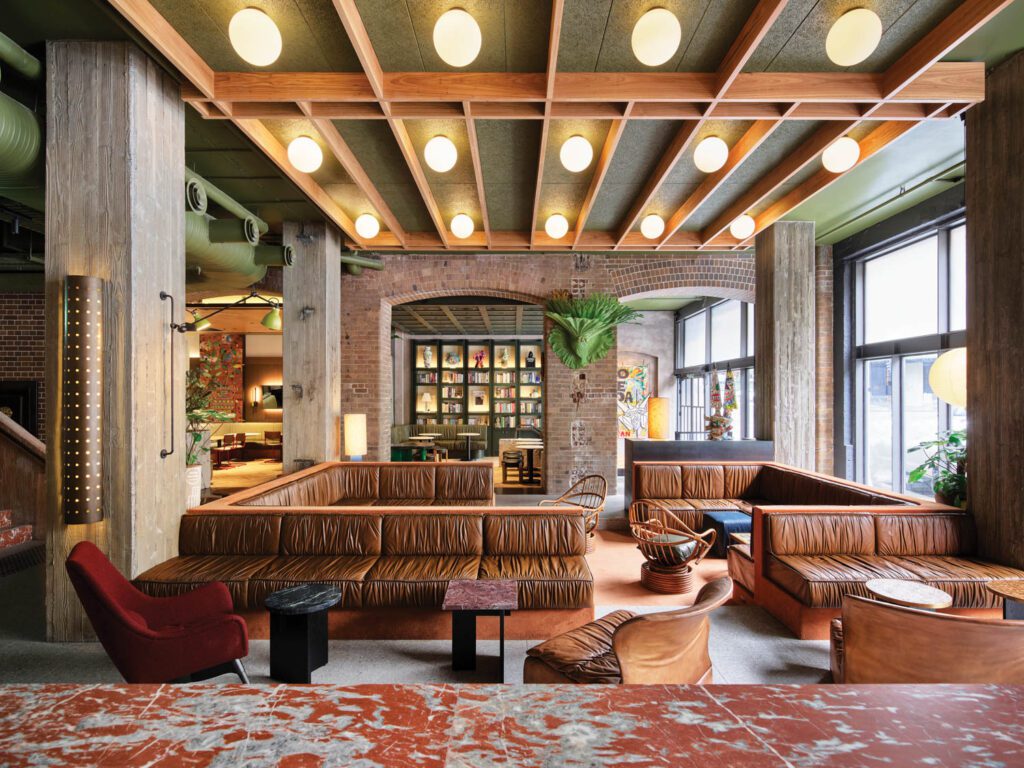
946,463
198,417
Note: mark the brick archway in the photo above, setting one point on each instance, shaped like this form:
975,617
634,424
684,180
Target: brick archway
727,276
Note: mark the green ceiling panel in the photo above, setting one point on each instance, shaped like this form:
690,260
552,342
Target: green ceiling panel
718,29
996,41
285,131
509,152
564,191
33,22
583,26
666,304
454,190
671,195
565,199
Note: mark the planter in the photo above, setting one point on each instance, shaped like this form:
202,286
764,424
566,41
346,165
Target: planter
193,486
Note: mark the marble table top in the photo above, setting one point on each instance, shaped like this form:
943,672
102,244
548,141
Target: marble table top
482,726
1008,588
303,598
481,595
913,594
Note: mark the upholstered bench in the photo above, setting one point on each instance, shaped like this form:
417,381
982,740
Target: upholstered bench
726,521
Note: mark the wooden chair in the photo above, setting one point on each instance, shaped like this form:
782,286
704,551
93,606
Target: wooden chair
590,493
670,548
511,460
272,438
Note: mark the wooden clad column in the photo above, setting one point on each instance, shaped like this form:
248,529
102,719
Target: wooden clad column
115,154
995,329
312,345
785,341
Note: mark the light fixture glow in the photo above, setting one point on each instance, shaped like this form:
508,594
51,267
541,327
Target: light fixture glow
710,154
743,226
841,155
440,154
576,154
255,37
367,226
657,418
656,37
948,377
652,226
457,38
853,37
556,226
355,435
305,154
462,226
272,320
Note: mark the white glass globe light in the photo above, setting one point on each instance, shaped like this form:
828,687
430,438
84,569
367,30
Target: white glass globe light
841,155
255,37
462,226
457,38
305,154
743,227
652,227
656,37
948,377
576,154
710,154
367,226
853,37
556,226
440,154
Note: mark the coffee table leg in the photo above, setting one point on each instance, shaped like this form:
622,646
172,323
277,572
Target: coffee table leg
1013,609
298,645
463,640
501,646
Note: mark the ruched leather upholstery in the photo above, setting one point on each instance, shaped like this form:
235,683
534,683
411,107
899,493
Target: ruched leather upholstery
186,572
346,572
330,535
931,534
843,532
584,654
534,534
822,580
545,581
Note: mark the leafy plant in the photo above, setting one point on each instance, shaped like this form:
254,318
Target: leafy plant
583,326
198,414
946,463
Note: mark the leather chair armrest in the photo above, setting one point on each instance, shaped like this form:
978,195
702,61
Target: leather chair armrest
836,650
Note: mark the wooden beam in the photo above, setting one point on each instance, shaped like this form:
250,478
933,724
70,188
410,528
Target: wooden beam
453,319
604,161
554,35
419,177
357,35
420,319
485,317
478,174
519,316
758,23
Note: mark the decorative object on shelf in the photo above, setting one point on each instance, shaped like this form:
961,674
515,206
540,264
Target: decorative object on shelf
657,418
503,357
428,357
355,435
452,359
583,331
81,434
478,358
948,377
946,463
426,403
531,359
199,392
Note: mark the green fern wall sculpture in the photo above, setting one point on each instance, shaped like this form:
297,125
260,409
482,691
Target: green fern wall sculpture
583,331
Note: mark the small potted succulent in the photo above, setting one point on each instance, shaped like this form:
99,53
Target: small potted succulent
946,464
198,417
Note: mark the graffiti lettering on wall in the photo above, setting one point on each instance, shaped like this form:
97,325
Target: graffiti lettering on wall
636,379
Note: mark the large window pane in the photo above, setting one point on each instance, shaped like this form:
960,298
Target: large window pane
920,417
725,331
958,278
901,293
878,423
695,340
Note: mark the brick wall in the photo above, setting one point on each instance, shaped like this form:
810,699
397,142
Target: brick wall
22,344
579,439
824,380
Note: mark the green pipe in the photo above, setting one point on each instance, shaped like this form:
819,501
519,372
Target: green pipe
19,59
228,265
275,255
195,196
352,260
225,201
234,231
21,153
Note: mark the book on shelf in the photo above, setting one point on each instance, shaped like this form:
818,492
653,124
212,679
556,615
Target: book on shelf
426,377
530,377
504,377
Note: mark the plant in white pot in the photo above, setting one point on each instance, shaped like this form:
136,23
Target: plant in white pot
198,417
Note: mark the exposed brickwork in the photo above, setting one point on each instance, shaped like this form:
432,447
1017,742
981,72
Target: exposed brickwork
22,345
824,381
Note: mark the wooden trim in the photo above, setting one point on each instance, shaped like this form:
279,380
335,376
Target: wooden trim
604,161
413,162
356,31
478,174
554,36
760,21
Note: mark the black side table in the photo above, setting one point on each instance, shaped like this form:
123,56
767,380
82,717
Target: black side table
298,630
469,598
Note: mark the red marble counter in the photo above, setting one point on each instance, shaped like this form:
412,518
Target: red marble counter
482,726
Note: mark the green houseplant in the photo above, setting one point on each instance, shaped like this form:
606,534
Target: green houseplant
582,333
946,463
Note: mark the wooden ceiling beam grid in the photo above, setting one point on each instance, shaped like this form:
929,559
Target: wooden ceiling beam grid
453,319
478,174
485,318
554,35
604,162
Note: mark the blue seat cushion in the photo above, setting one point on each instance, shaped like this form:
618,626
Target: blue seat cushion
726,522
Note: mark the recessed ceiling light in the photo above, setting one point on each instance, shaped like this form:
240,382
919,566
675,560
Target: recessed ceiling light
853,37
462,226
576,154
305,154
710,154
656,37
457,38
255,37
440,154
556,226
652,226
841,155
743,227
367,226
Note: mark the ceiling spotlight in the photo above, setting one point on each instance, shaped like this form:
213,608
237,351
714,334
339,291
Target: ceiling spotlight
305,154
841,155
576,154
462,226
742,227
440,154
853,37
556,226
457,38
255,37
367,226
272,320
656,37
710,154
652,227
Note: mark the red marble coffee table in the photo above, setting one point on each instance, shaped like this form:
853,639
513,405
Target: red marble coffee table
469,598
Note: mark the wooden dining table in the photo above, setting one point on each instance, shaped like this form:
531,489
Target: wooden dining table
529,446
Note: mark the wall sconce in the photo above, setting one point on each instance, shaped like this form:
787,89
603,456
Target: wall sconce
255,398
82,400
355,435
657,418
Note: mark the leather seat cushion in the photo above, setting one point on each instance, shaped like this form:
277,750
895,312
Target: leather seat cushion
821,581
334,534
681,508
585,654
346,572
544,581
929,533
658,481
963,578
740,565
534,533
415,581
184,573
703,482
714,505
460,483
404,481
221,534
821,533
432,533
403,502
461,503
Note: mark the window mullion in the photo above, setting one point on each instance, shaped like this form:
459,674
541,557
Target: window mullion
896,404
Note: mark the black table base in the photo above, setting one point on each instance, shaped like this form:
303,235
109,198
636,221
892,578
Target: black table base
464,639
1013,609
298,645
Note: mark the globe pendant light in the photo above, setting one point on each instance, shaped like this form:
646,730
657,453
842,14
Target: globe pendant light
556,226
576,154
457,38
255,37
841,155
305,154
853,37
367,226
440,154
462,226
711,154
742,227
656,37
948,377
272,320
652,226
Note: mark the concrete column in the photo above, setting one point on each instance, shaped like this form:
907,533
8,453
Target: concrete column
115,154
785,341
312,345
824,378
995,333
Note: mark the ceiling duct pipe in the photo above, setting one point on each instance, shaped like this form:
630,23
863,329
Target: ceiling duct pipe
228,265
225,201
355,265
234,231
275,255
20,60
22,174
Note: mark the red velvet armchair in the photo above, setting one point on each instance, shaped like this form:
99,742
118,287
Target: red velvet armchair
186,638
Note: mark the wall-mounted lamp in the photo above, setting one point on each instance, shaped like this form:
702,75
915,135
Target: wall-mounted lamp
255,398
657,418
81,435
355,436
271,320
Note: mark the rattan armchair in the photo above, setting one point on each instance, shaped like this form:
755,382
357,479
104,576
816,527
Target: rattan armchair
589,493
670,548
